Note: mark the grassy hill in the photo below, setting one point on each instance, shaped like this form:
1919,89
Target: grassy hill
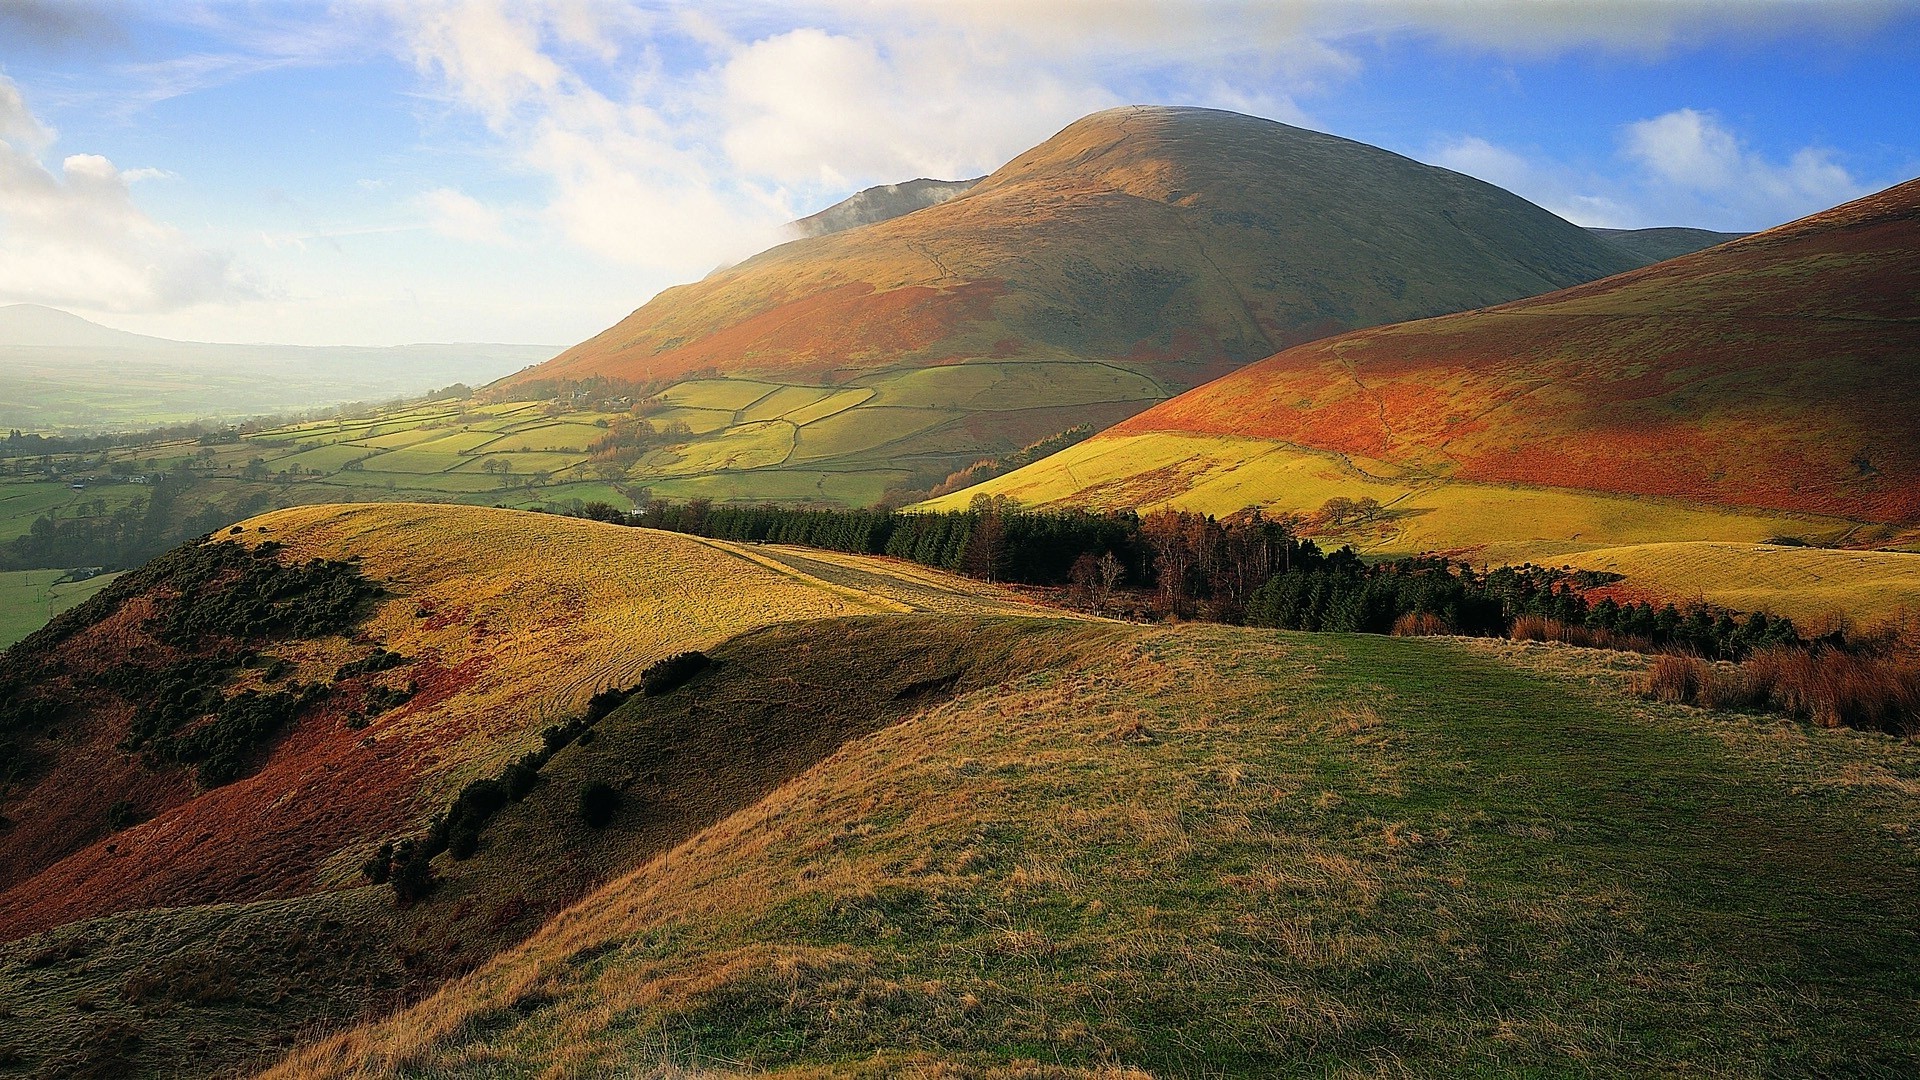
1761,388
1200,849
903,821
239,840
1657,245
1137,253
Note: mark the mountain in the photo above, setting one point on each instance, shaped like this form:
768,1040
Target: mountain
882,202
1658,245
1139,252
1769,382
62,373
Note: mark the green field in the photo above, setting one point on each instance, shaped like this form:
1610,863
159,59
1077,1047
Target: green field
28,598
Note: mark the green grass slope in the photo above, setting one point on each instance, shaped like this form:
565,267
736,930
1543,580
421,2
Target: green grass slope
1189,850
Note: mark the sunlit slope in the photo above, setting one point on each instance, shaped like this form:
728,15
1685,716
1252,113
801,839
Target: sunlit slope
1221,474
1159,247
1209,849
509,622
1175,241
1777,371
1801,582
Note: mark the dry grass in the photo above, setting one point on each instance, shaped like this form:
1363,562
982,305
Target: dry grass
1828,687
1204,849
1541,628
1420,624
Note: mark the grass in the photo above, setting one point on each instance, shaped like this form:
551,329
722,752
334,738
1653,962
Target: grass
1200,849
28,598
1222,474
1804,583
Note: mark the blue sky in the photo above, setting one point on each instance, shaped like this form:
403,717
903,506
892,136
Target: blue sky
475,170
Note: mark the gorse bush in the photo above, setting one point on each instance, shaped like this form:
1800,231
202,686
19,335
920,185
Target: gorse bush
599,801
671,674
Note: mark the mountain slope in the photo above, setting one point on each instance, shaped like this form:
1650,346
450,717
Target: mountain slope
195,765
1138,252
1775,373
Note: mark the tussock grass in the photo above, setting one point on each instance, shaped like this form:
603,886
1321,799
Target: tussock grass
1828,687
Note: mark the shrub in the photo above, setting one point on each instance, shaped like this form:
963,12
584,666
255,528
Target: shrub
519,779
1828,687
673,672
1543,628
598,803
463,841
1420,624
123,815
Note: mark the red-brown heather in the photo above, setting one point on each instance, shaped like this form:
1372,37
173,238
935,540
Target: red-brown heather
1779,371
1177,242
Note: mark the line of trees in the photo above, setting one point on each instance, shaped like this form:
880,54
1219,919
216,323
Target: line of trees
1246,568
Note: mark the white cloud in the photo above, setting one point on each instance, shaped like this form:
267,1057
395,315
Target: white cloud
74,237
454,213
1682,168
1690,155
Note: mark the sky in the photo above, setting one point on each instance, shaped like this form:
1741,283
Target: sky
532,171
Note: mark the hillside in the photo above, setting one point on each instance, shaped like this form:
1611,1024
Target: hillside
1657,245
1137,253
1202,849
1760,388
61,373
265,716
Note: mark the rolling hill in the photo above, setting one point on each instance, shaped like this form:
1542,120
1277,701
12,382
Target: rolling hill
1764,387
60,373
1137,253
263,710
900,822
1658,245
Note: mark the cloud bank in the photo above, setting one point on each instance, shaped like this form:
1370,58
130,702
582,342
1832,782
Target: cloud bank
73,237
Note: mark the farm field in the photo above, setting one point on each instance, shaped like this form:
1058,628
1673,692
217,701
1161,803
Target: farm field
1801,582
28,598
1174,846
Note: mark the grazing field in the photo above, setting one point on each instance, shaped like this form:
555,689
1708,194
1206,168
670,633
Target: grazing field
28,598
1174,851
1804,583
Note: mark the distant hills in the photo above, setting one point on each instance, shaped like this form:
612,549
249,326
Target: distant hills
60,372
1656,245
1776,373
882,202
1139,252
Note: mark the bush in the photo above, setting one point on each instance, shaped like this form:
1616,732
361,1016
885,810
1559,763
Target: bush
519,778
673,672
1825,686
598,803
1420,624
1542,628
123,815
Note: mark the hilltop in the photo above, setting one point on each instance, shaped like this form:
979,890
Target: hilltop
1139,252
266,708
1761,388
